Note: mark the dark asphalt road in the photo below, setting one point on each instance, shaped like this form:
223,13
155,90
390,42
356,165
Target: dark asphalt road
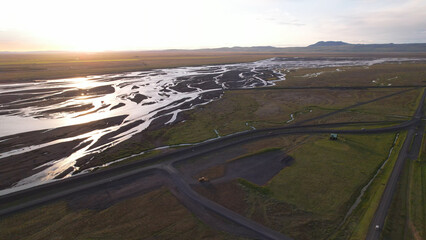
386,199
417,141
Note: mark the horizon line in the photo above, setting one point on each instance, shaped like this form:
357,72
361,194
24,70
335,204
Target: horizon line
193,49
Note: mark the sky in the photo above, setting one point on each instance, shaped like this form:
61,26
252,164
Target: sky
104,25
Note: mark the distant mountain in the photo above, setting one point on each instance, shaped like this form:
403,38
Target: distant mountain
328,44
321,46
245,49
332,46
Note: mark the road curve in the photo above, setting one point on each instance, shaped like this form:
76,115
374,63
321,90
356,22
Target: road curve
386,199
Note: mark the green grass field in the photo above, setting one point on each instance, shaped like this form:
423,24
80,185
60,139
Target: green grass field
376,75
239,110
309,199
326,173
356,226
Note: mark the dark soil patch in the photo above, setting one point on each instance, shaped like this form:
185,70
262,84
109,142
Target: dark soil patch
70,109
15,168
111,193
42,136
118,106
229,195
259,168
138,98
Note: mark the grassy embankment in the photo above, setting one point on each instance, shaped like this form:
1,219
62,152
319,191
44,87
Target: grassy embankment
327,176
417,203
407,215
356,226
157,214
329,170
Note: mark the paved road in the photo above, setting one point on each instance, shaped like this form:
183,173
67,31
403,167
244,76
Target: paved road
382,210
417,141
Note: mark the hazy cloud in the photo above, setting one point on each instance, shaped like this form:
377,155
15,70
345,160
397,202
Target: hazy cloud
402,22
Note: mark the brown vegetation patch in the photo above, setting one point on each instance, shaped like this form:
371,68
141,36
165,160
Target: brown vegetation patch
228,194
212,173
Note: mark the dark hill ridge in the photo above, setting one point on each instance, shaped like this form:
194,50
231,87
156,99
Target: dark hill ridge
244,49
321,46
331,46
328,44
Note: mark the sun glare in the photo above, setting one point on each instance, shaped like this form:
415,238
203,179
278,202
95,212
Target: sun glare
106,25
82,83
96,25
